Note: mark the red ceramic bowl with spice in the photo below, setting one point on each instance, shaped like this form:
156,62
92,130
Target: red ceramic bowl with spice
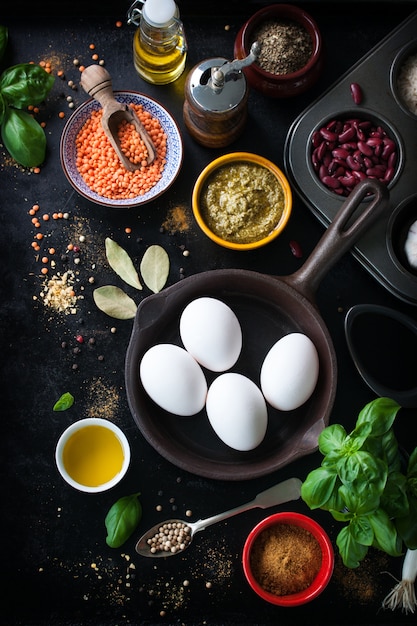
288,559
292,57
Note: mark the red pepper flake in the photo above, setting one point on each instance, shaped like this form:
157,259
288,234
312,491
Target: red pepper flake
80,338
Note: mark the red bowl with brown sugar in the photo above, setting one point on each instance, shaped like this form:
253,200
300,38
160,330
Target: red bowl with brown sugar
288,559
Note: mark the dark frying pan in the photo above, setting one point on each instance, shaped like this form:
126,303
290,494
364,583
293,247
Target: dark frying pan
268,308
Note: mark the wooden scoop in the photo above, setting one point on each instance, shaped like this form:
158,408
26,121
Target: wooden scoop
96,81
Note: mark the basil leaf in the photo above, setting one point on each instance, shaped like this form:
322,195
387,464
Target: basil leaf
331,439
114,302
24,138
360,501
406,525
3,109
412,465
351,551
380,413
25,84
65,402
362,469
394,500
386,536
122,519
361,530
121,263
318,487
154,268
4,36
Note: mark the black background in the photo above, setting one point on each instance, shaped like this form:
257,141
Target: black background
56,566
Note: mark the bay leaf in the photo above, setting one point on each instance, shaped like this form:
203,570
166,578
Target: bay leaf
114,302
154,268
121,263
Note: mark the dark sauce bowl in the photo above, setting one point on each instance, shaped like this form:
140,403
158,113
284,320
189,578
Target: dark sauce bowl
383,345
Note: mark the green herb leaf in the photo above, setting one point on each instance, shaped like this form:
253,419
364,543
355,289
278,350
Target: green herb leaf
361,468
318,487
154,268
23,137
4,36
380,413
121,263
122,519
3,109
331,438
351,551
114,302
361,483
25,84
65,402
386,537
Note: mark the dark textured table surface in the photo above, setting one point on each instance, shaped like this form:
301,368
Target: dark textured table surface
56,567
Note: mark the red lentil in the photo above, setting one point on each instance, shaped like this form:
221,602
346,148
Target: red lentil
100,167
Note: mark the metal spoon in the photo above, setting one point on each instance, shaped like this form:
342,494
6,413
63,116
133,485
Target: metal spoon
96,81
283,492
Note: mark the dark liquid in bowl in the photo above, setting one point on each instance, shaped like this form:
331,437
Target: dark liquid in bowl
387,350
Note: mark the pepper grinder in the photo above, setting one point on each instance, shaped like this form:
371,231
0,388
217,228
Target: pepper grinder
216,94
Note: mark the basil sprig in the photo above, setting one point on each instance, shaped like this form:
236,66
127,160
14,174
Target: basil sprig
363,483
20,86
122,519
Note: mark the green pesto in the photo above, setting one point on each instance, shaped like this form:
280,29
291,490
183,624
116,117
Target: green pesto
242,202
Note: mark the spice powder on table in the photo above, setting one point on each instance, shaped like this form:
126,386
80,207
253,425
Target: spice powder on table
285,559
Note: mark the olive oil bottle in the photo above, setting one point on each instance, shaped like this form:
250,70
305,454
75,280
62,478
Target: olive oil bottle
159,44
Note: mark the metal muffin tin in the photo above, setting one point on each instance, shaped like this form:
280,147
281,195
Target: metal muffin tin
380,250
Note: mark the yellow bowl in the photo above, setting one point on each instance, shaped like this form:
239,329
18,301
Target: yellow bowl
234,158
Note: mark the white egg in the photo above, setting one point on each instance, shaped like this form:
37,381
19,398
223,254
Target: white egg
173,379
290,371
211,333
237,411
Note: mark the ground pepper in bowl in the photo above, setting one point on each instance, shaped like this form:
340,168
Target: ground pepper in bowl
285,559
285,46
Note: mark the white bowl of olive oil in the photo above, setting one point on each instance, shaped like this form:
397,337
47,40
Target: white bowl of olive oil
92,455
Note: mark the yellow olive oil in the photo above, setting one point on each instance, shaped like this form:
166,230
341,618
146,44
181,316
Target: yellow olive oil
93,456
159,62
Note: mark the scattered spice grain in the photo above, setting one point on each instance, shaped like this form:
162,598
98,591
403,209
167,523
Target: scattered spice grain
286,46
285,559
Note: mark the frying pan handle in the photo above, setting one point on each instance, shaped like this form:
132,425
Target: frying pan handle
340,236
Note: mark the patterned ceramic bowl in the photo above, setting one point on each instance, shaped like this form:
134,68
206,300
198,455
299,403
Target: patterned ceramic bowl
174,152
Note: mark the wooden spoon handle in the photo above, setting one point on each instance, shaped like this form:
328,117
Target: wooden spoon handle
96,81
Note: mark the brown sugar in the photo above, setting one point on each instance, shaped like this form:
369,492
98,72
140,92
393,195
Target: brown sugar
285,559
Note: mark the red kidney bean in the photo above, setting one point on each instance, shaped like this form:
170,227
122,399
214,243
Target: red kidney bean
348,134
356,92
352,163
340,153
392,159
365,149
348,180
296,249
331,182
329,135
389,174
374,141
389,147
345,152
